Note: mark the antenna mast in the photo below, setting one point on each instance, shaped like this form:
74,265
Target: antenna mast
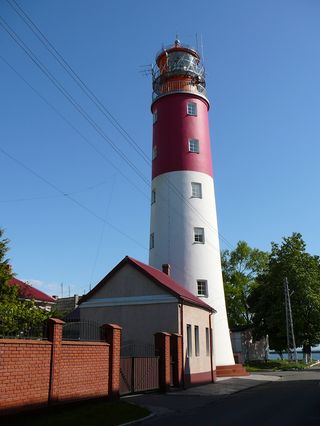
291,343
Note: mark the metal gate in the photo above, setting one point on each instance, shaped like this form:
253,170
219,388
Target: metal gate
139,369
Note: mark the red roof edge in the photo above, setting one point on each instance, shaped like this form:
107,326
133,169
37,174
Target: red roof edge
158,277
26,291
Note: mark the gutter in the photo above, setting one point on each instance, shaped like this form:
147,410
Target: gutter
182,339
211,348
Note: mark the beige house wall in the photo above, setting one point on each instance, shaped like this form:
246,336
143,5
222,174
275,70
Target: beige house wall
126,282
139,320
196,316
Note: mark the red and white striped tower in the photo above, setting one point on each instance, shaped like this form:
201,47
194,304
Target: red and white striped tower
184,231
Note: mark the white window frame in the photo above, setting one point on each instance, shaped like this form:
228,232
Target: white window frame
154,152
198,235
151,241
189,341
196,190
192,108
194,145
202,284
153,196
196,341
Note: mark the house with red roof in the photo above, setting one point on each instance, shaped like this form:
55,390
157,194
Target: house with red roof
28,292
144,301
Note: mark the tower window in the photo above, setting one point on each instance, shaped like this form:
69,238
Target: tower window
202,287
196,341
192,108
199,235
189,341
196,190
154,152
194,146
151,241
155,117
153,196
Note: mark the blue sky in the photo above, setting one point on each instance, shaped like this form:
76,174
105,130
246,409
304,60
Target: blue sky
263,78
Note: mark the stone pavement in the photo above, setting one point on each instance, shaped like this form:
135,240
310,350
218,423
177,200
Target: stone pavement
178,401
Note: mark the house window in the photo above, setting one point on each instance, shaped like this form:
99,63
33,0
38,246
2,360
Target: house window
154,152
153,196
199,235
194,146
207,342
202,287
192,108
155,117
189,341
151,241
196,341
196,190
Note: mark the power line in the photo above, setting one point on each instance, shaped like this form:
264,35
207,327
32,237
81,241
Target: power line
78,203
46,197
76,78
90,94
73,127
69,97
84,87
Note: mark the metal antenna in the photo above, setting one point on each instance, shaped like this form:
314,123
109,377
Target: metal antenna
202,54
291,343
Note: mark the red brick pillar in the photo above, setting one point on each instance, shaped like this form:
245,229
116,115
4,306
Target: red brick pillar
177,358
55,336
112,334
162,347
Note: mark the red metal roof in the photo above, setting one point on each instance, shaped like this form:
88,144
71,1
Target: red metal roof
159,277
170,284
26,291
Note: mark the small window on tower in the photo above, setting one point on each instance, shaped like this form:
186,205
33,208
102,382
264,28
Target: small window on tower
196,190
202,287
154,152
151,241
199,235
155,117
192,108
194,146
153,196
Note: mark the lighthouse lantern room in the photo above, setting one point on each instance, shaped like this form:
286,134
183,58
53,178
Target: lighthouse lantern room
184,230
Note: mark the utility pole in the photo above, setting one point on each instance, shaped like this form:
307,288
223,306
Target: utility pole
291,343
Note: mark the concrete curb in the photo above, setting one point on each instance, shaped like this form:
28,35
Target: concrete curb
136,422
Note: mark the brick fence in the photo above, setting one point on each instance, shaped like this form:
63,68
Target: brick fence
39,373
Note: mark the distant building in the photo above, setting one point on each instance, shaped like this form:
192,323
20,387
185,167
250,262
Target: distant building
28,292
66,305
245,348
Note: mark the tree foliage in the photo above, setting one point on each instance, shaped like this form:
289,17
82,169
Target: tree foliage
288,260
240,268
17,317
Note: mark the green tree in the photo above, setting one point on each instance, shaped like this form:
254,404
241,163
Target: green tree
7,292
17,317
288,260
240,268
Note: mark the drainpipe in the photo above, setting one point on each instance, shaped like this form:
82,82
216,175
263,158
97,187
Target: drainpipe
211,348
182,341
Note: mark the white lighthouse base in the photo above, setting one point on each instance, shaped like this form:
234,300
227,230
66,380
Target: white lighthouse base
174,215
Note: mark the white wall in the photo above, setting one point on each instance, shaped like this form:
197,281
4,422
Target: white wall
173,217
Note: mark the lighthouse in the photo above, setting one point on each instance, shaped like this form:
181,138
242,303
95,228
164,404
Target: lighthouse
183,228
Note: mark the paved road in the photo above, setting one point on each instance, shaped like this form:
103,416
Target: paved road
292,400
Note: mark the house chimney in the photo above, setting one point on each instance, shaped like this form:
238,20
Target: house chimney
166,268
